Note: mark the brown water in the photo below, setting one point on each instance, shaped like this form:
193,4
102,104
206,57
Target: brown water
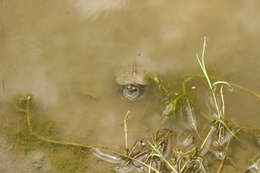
66,53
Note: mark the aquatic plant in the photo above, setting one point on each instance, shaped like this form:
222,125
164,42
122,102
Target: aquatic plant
220,133
157,154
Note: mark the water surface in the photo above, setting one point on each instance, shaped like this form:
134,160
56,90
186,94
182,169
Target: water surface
66,53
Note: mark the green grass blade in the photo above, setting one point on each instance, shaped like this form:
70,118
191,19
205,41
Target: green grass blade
221,83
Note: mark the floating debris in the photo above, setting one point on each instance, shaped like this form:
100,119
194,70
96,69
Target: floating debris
106,157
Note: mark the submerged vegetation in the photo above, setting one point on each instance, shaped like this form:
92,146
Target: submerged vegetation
188,140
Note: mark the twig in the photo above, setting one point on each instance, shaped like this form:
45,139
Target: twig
223,101
125,129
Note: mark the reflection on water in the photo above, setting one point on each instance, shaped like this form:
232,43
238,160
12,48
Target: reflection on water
94,9
66,54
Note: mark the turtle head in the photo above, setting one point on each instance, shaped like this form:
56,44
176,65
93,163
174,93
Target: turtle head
132,91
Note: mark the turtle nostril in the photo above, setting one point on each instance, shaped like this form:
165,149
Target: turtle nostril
129,87
133,90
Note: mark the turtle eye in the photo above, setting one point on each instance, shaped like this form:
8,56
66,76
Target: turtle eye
134,89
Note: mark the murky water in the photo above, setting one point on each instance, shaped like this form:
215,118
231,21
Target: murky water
66,52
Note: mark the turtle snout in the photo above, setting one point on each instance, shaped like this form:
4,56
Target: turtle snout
132,92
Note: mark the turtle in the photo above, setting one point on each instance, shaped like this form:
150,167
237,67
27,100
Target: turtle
132,81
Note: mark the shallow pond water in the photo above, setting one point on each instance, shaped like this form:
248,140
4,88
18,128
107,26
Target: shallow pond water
66,53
